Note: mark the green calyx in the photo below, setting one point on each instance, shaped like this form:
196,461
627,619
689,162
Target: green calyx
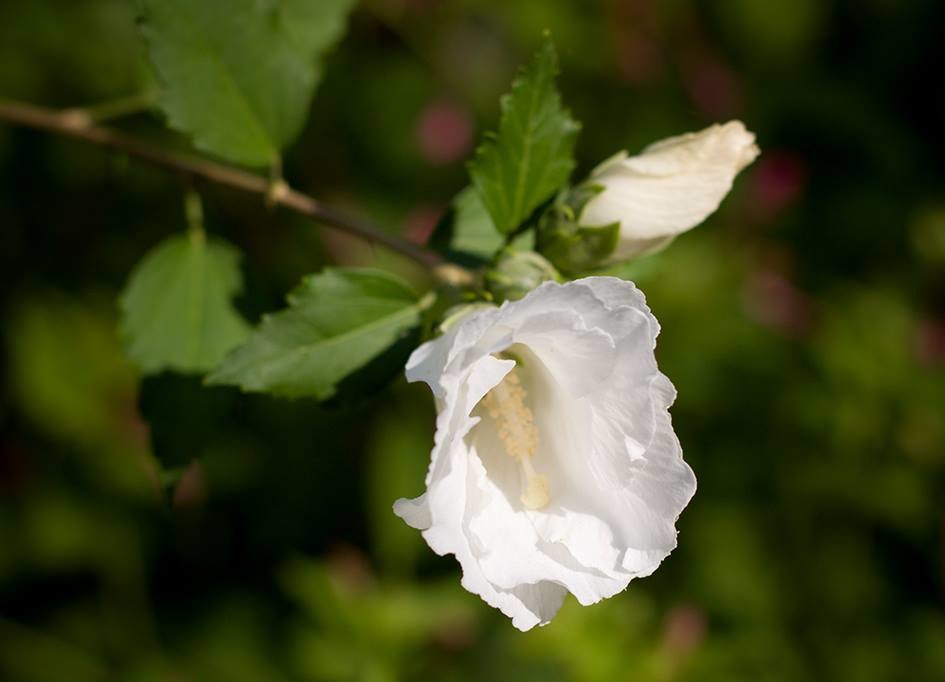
569,246
515,273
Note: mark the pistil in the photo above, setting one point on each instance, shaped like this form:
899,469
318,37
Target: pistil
515,426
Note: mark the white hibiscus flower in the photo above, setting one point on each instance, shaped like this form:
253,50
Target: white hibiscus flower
671,187
555,467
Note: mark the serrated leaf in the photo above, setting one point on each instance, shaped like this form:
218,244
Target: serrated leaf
337,321
466,234
531,156
176,308
239,75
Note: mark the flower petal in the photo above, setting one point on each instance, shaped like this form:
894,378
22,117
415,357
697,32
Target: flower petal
670,187
613,466
415,512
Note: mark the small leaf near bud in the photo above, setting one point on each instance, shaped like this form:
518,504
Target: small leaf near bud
573,248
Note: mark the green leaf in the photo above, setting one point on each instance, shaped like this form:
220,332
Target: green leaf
176,308
521,166
573,248
467,235
240,74
468,229
337,321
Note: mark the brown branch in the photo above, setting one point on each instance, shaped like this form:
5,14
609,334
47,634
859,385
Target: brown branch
79,127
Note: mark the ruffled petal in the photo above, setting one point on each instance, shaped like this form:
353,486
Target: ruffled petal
415,512
616,476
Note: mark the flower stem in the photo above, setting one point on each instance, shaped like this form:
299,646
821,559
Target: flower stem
84,117
194,167
193,212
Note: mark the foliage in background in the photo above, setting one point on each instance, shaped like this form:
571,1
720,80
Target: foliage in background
804,325
183,289
239,75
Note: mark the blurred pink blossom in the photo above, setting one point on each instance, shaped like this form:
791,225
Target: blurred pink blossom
420,222
350,567
191,490
929,342
684,629
639,59
444,132
772,300
639,49
712,86
709,80
779,179
16,470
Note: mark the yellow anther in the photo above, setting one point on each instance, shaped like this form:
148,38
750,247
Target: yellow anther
515,426
536,493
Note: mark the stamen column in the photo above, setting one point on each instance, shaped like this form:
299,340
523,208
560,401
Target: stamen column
515,425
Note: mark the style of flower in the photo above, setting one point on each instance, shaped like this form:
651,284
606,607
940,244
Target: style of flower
555,467
671,187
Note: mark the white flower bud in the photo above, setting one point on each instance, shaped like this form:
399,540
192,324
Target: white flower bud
671,187
555,467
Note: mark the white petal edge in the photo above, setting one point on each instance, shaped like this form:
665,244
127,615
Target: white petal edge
670,187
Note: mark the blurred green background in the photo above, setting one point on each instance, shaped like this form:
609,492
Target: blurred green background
163,531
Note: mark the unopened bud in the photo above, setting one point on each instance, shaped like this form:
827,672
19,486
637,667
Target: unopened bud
515,273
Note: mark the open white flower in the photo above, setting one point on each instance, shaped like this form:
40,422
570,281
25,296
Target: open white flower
671,187
555,467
